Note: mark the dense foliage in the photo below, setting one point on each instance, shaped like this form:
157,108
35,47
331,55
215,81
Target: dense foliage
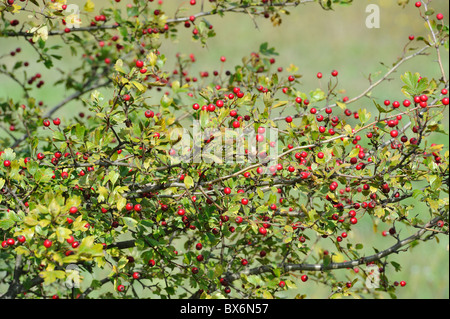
216,167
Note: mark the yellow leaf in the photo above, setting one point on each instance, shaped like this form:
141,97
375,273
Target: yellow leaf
51,276
282,103
44,222
119,66
79,224
89,6
63,233
152,58
21,250
30,220
16,8
121,202
343,106
338,258
139,86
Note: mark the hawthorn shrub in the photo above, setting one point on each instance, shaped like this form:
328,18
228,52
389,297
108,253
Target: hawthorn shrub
210,190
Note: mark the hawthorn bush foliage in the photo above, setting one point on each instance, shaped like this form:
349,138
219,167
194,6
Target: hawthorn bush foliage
102,193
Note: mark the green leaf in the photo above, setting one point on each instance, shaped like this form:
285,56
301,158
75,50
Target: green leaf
6,224
119,66
121,203
139,86
264,49
50,276
364,116
317,95
397,266
62,234
130,222
88,249
188,181
8,154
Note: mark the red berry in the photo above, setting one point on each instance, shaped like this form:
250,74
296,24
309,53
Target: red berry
219,103
149,114
139,63
136,275
47,243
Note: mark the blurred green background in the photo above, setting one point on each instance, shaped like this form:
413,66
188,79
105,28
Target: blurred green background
315,41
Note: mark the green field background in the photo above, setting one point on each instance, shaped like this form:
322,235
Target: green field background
315,41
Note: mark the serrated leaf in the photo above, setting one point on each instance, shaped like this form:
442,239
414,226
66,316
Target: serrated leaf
50,276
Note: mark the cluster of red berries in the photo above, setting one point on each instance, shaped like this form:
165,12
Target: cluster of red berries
12,242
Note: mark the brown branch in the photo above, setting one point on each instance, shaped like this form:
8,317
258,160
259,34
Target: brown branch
50,112
342,265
